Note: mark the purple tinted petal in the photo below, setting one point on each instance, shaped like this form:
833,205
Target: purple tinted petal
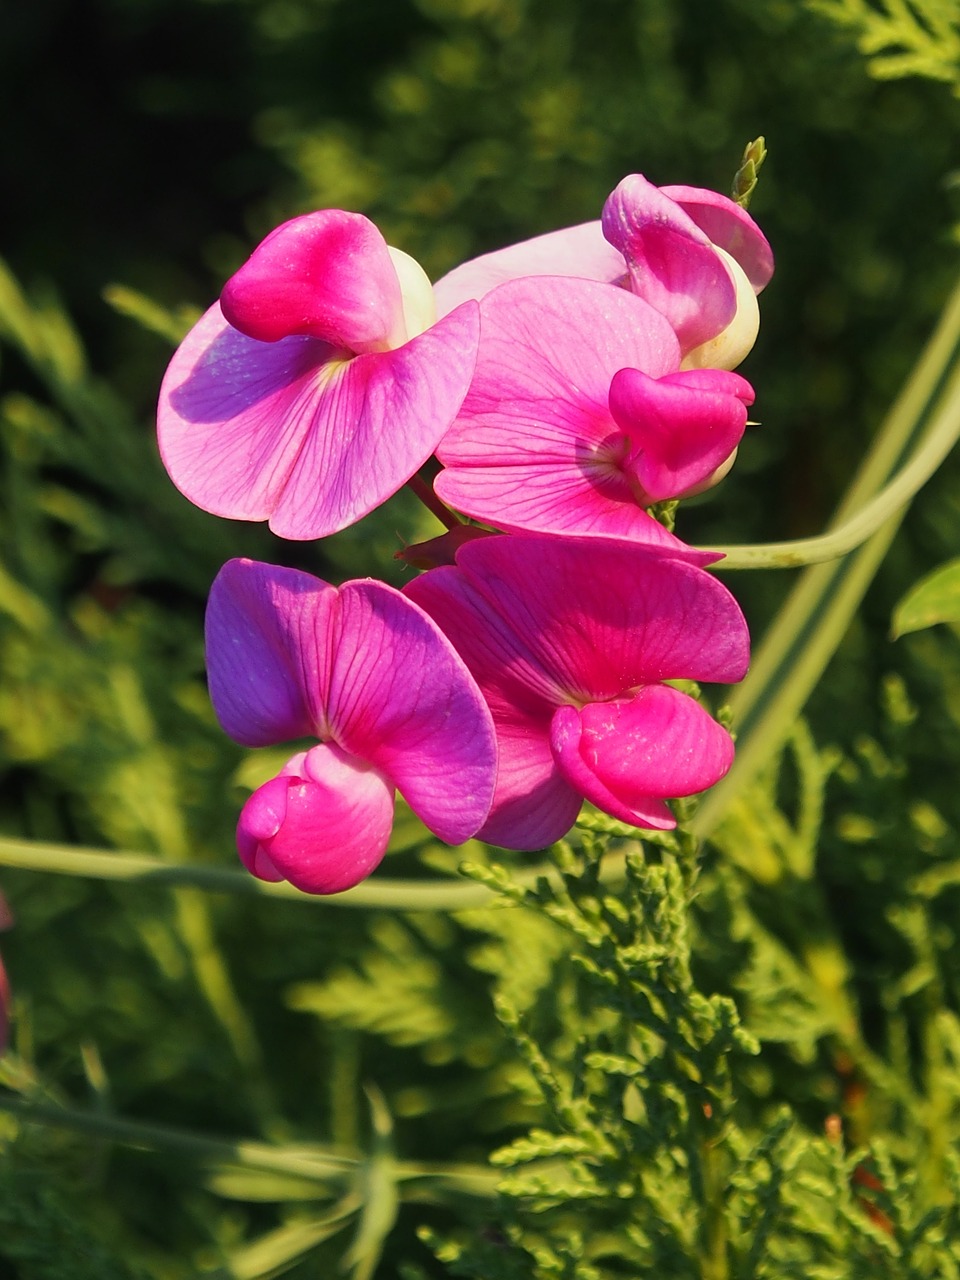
532,805
729,227
680,428
268,651
603,615
402,698
325,275
672,263
629,754
579,251
324,826
293,432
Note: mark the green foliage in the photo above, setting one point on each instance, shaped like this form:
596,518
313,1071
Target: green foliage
935,598
902,37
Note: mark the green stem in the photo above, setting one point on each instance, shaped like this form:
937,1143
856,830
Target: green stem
852,533
809,627
312,1163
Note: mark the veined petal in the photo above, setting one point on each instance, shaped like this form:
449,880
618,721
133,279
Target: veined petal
323,823
729,227
401,697
579,251
326,275
628,755
681,427
601,615
532,805
295,432
534,445
268,646
672,263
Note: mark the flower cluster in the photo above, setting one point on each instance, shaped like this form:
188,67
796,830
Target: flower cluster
566,385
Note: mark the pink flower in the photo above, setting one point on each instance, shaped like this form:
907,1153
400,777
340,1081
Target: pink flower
579,417
318,385
6,922
369,674
571,641
693,254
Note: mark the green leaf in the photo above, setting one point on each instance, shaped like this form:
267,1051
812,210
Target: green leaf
935,598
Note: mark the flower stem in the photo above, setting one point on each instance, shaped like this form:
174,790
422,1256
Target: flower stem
424,491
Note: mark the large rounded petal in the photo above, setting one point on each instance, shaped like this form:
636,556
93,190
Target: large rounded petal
672,263
323,824
326,275
402,698
535,445
300,434
681,427
532,806
603,615
579,251
268,644
628,755
729,227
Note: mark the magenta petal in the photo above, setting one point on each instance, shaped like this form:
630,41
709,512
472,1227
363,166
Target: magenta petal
672,263
534,445
603,615
402,698
287,431
324,826
325,275
730,228
629,754
579,251
680,427
268,651
532,805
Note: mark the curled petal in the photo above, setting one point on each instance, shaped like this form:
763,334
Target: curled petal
681,427
326,275
298,433
628,755
268,644
729,227
579,251
672,263
323,823
534,445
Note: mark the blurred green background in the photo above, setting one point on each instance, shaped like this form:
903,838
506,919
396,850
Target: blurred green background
147,146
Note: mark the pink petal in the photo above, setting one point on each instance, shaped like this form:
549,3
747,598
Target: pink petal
291,432
5,1007
268,642
402,698
672,263
579,251
629,754
681,427
730,228
323,824
325,275
532,805
535,445
599,615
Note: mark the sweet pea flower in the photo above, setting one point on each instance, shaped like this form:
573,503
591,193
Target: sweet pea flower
579,416
366,672
320,382
572,641
695,255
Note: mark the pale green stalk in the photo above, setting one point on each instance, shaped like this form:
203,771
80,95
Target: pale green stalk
814,619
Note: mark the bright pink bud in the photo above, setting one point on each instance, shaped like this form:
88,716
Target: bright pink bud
323,823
